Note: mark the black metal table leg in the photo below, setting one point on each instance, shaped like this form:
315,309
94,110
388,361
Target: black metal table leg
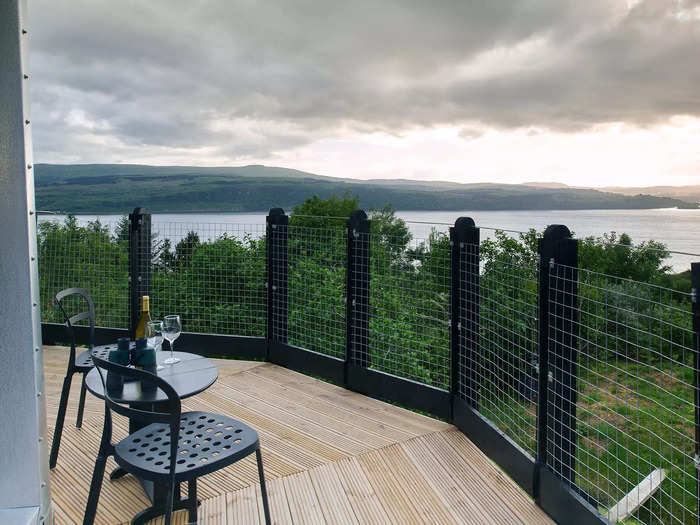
158,510
117,473
156,492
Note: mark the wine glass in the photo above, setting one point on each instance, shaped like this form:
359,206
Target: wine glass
172,326
154,334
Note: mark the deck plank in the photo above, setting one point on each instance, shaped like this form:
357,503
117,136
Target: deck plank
331,495
330,456
454,484
367,421
304,506
400,418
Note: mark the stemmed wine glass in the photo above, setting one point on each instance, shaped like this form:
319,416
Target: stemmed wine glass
154,334
172,326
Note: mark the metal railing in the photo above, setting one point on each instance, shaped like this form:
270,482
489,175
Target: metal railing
583,386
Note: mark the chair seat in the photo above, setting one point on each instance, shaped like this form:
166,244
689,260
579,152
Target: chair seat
207,442
84,361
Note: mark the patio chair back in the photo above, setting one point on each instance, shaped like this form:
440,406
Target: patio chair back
70,320
170,414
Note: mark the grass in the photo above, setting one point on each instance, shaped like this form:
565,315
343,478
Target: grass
631,420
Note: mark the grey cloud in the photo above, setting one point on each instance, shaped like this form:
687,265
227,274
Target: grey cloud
159,73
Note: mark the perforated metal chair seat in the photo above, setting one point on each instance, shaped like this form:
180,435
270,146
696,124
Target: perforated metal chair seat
84,361
207,443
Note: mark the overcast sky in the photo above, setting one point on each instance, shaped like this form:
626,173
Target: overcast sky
587,92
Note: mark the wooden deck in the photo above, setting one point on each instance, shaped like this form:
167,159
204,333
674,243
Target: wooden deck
331,457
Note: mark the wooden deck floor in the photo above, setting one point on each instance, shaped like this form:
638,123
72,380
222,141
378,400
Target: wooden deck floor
331,457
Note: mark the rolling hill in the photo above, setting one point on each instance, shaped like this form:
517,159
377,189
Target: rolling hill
116,188
686,193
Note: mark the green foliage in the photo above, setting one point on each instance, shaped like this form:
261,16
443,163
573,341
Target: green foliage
389,231
216,286
317,247
316,212
121,230
617,256
84,257
409,302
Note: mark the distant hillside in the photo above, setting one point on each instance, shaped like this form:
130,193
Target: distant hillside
116,188
546,184
686,193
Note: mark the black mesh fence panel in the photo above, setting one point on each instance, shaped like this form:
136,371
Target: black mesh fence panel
91,257
410,307
634,413
211,274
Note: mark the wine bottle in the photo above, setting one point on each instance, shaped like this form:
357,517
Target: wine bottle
144,319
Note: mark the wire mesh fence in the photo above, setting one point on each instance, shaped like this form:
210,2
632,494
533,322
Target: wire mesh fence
633,422
410,307
621,394
316,255
359,295
505,371
90,257
211,274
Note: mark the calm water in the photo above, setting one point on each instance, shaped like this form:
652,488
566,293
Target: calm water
678,229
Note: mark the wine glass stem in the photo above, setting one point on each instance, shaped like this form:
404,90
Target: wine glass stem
172,348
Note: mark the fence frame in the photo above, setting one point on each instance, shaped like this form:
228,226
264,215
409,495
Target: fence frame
464,308
357,290
555,493
495,443
695,298
139,263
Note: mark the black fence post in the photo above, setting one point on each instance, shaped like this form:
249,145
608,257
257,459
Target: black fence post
277,266
464,311
695,296
139,263
357,291
558,354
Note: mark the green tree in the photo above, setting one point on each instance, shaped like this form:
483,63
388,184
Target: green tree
121,229
186,249
618,256
315,212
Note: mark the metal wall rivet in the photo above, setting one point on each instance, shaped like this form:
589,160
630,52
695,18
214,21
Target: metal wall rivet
26,77
29,166
26,122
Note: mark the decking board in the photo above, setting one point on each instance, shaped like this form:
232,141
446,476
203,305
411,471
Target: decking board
331,456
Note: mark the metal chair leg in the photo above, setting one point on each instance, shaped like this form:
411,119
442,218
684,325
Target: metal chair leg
263,489
81,404
169,504
95,488
60,417
192,498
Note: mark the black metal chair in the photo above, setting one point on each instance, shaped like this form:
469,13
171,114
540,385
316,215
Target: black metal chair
172,448
81,364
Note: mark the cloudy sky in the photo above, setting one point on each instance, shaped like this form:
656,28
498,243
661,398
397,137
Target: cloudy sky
589,92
